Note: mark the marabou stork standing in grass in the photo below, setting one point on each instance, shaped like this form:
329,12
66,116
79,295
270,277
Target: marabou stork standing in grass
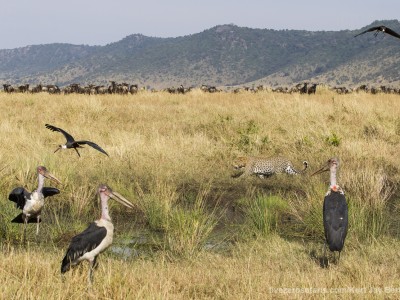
32,203
381,28
96,238
335,211
71,143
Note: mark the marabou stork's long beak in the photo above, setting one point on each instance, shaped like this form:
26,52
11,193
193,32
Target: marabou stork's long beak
58,148
332,162
121,199
48,175
325,168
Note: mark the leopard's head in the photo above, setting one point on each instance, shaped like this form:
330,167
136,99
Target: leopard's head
240,162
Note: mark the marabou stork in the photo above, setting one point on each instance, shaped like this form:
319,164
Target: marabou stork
335,211
381,28
71,143
32,203
96,238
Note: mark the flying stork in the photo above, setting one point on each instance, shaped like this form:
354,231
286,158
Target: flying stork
32,203
71,143
96,238
382,28
335,211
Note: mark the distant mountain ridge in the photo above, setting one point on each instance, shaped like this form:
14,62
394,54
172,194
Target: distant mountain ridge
225,55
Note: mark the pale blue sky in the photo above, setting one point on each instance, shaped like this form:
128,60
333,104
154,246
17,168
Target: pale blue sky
99,22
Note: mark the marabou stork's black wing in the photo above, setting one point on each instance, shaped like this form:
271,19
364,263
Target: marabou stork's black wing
91,144
335,217
69,137
392,32
50,191
19,196
369,30
84,242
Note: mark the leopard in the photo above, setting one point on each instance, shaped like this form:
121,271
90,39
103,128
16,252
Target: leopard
265,166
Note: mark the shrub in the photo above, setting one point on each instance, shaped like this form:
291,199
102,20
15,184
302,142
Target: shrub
333,140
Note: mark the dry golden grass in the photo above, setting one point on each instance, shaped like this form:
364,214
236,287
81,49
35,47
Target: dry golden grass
263,269
175,147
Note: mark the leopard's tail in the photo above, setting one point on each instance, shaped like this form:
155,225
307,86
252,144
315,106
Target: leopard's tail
305,163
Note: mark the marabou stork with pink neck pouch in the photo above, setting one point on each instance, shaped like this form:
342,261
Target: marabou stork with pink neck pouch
335,210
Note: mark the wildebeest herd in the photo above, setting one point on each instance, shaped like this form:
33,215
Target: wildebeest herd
126,89
75,88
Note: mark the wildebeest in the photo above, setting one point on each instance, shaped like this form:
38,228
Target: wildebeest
209,89
101,89
23,88
8,88
312,89
133,89
53,89
37,89
303,89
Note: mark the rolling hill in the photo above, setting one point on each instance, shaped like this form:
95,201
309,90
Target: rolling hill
225,55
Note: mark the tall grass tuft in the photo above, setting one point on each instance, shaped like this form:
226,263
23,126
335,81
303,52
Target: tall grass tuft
184,225
264,214
369,193
188,227
307,214
157,204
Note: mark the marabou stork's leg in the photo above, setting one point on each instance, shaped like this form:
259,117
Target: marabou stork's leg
37,229
338,258
92,265
77,152
24,230
325,258
37,225
90,276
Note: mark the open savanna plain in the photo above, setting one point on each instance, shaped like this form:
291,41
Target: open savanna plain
196,232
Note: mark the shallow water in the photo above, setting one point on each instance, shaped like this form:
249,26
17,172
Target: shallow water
146,244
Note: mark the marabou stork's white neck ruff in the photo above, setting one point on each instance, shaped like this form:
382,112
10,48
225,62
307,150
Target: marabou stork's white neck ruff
335,211
32,203
96,238
333,166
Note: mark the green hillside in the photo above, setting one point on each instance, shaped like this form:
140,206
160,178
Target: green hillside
222,55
